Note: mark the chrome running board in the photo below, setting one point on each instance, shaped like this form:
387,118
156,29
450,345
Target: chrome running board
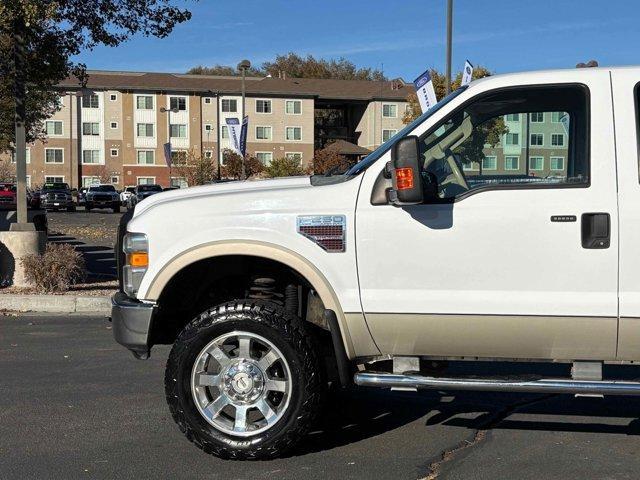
404,381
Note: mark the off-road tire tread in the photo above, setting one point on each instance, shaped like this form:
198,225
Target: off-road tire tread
292,330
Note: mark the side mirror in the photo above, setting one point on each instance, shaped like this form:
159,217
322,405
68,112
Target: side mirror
405,173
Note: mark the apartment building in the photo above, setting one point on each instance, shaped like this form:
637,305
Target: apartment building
114,128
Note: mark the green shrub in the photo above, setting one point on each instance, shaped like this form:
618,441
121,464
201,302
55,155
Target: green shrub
59,267
284,167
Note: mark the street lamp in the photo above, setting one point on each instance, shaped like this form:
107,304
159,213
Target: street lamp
243,66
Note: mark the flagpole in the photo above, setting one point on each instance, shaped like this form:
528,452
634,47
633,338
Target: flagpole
449,44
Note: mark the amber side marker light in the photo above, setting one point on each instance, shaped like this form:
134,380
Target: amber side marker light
139,259
404,178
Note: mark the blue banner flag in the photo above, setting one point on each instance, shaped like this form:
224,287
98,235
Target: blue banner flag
467,73
233,125
243,135
167,154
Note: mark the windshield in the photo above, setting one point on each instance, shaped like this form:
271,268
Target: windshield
102,188
55,186
370,159
131,189
149,188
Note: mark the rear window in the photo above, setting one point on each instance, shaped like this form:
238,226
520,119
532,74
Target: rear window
55,186
103,188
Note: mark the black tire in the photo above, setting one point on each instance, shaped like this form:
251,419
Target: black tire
116,209
87,208
288,334
71,209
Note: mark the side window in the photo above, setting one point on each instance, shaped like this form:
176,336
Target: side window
485,144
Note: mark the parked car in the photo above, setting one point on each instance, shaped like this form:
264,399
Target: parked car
82,195
57,196
141,192
102,196
126,193
7,196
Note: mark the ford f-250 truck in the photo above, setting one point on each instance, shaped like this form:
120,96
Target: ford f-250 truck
500,226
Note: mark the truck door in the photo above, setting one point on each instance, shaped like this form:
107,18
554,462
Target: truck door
515,252
626,91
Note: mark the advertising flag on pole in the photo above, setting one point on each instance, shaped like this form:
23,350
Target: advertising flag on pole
424,90
467,73
243,136
564,120
167,154
233,124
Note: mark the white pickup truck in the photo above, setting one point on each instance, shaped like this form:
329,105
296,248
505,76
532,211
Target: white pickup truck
500,226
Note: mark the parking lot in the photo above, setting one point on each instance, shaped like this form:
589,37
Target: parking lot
73,404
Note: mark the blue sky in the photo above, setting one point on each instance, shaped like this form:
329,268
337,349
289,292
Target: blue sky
405,36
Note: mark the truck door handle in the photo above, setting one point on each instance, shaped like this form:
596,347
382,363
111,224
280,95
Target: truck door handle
596,230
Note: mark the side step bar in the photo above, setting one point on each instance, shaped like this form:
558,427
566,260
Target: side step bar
394,380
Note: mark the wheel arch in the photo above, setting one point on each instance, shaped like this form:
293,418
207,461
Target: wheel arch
263,250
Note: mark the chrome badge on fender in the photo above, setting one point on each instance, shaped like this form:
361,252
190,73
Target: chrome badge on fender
328,231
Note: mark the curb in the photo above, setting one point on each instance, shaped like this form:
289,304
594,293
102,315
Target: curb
56,304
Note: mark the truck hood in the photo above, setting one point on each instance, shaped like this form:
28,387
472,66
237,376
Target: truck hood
216,189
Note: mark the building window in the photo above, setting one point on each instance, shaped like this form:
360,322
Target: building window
556,116
28,156
114,152
490,163
294,156
113,125
144,102
145,157
389,110
115,179
53,127
557,139
91,156
145,129
146,180
88,181
90,100
512,139
54,179
177,103
536,163
557,163
293,133
90,128
224,131
28,180
178,157
113,97
229,105
208,154
263,133
179,182
537,140
511,163
293,107
537,117
263,106
513,117
387,134
178,131
207,100
264,157
53,155
469,166
208,127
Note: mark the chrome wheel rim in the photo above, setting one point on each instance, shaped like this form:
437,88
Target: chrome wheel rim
241,383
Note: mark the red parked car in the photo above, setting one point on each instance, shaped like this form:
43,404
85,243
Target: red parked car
7,195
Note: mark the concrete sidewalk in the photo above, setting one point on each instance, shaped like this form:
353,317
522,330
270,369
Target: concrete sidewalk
98,305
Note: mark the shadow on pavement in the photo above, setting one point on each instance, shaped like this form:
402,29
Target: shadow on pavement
100,260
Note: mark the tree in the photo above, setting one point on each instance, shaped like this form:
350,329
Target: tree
103,174
439,85
53,33
224,71
232,167
327,160
196,170
7,171
284,167
293,65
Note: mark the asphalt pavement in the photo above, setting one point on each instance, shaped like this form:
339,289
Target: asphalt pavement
74,404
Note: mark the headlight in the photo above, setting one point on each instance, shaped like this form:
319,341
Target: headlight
136,249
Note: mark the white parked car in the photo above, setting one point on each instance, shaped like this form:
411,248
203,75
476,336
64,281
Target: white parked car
501,226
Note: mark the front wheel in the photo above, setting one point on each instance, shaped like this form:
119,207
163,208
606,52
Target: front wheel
243,380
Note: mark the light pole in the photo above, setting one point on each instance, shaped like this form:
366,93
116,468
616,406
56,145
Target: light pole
20,114
449,41
243,66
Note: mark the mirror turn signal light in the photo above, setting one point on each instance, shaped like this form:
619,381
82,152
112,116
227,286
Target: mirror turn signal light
138,259
404,178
